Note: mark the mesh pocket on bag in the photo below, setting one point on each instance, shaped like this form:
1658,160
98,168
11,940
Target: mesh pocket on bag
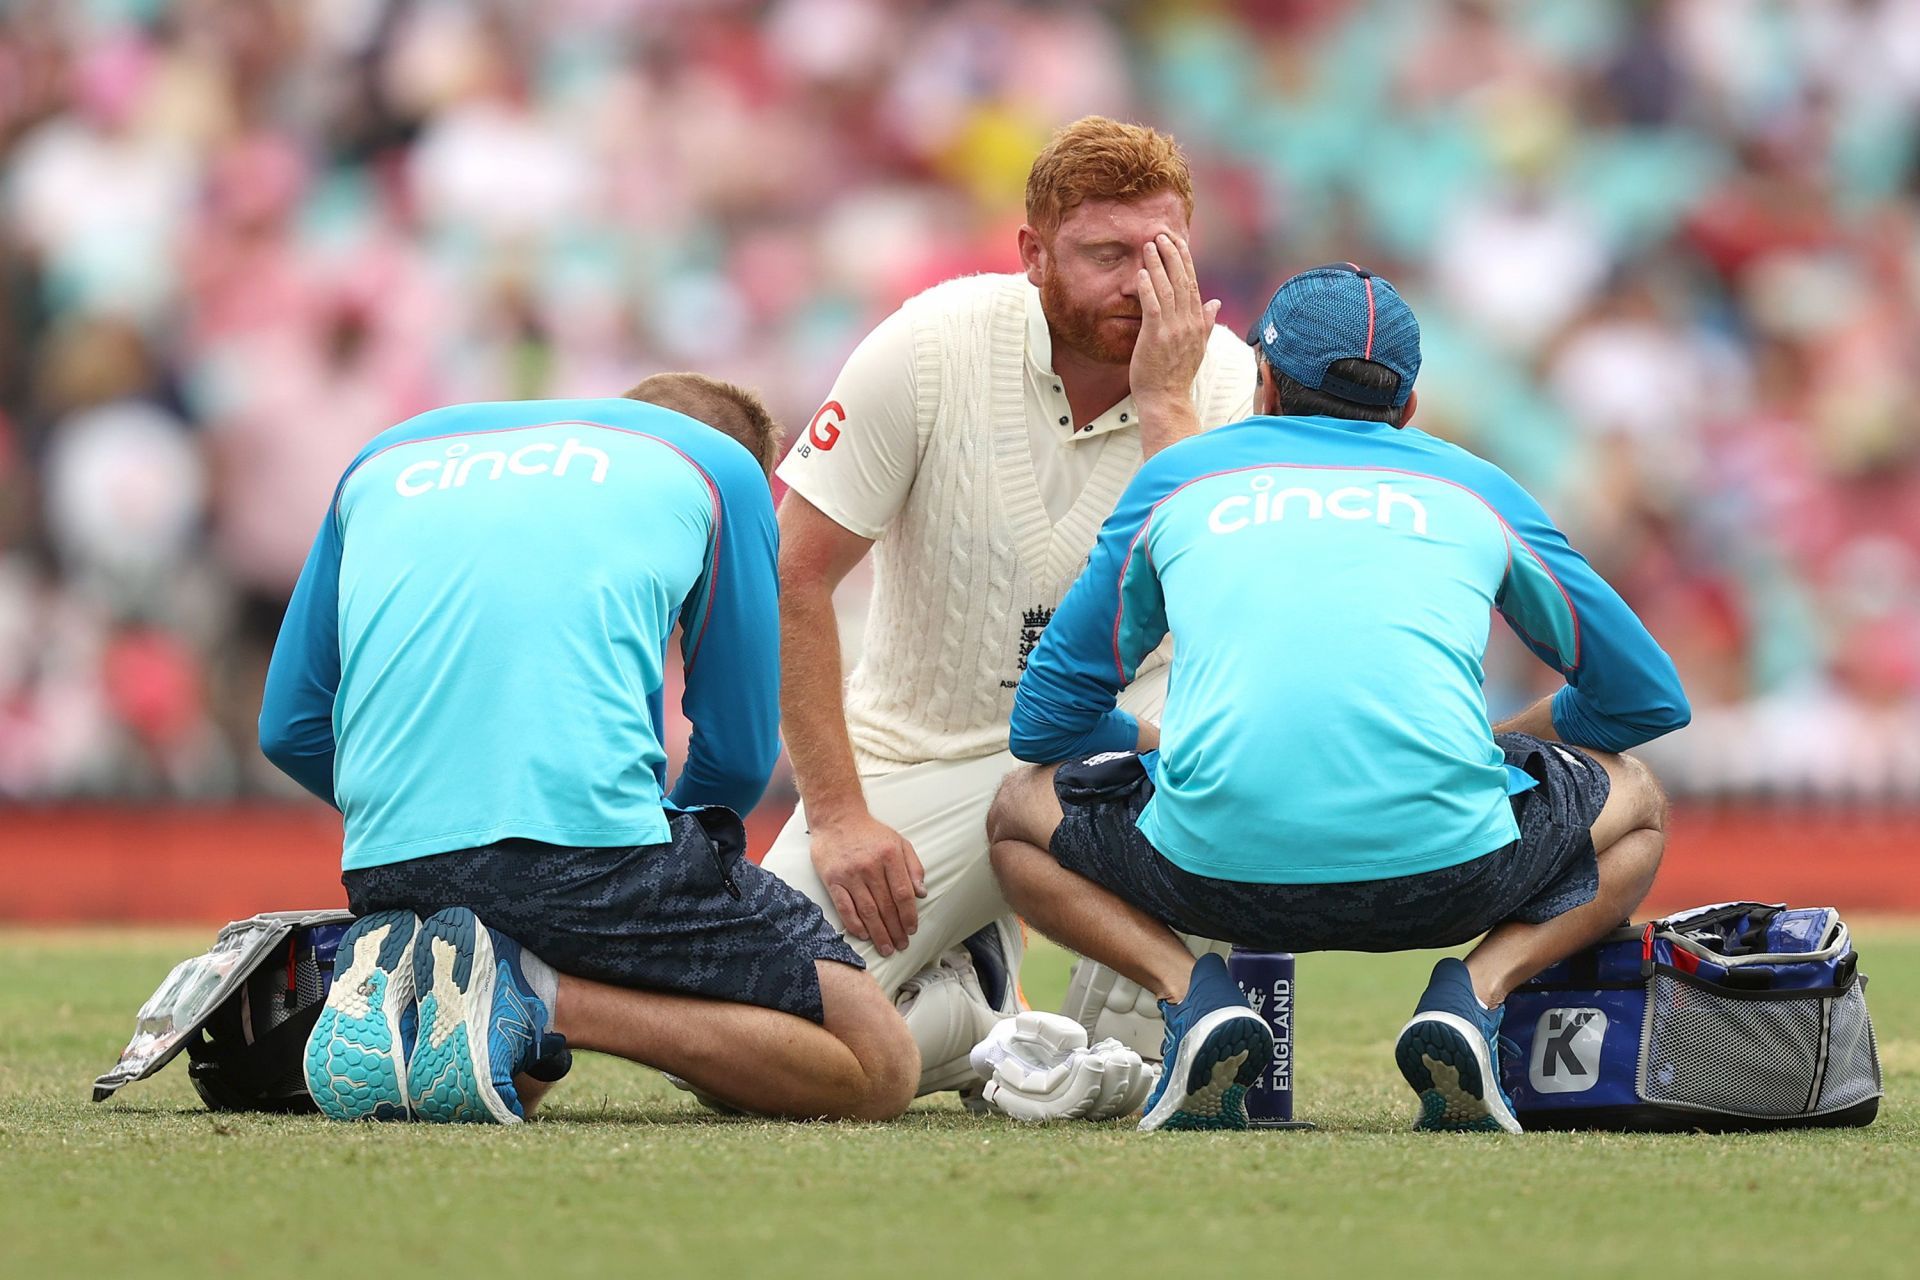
1748,1057
1853,1064
308,983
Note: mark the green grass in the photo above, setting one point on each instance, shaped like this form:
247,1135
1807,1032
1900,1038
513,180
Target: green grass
624,1175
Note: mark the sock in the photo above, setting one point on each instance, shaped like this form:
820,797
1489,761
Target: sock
544,981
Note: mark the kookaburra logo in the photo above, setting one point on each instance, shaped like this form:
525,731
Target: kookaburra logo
1566,1050
1564,1026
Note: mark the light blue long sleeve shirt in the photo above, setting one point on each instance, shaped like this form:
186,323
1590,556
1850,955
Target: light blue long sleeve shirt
476,646
1329,586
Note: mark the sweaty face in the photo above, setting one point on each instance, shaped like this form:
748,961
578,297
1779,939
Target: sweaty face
1088,272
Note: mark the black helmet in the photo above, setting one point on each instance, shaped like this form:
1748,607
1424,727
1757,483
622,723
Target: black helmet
249,1055
242,1012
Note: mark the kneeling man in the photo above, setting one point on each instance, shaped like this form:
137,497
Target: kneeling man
1326,777
471,671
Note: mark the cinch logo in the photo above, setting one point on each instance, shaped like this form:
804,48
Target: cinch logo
457,467
1268,504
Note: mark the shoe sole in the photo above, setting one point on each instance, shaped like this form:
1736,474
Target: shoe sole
451,1075
1445,1059
1209,1076
355,1059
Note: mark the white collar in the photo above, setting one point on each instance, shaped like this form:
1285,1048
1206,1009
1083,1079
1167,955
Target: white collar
1121,417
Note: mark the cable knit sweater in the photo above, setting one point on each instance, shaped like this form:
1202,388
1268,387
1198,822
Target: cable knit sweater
971,567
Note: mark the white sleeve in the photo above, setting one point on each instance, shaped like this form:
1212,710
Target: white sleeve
1230,379
856,460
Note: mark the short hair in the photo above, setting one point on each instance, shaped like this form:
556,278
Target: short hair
1096,158
1298,400
731,410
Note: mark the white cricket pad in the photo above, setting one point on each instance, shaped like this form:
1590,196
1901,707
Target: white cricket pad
1111,1007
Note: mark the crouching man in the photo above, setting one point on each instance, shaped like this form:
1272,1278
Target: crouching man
471,671
1326,777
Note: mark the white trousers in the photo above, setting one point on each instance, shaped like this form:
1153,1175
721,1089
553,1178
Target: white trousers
941,808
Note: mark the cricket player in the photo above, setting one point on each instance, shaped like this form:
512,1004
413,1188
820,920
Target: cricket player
974,442
471,672
1326,776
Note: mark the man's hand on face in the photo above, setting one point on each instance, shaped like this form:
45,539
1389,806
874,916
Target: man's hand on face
1175,324
873,875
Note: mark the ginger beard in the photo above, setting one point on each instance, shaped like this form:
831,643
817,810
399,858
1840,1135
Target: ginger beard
1084,330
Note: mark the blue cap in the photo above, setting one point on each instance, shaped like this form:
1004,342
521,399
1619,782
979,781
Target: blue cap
1341,312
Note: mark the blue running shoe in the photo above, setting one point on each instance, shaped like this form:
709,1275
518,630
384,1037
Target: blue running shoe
356,1057
480,1023
1450,1054
1216,1046
997,952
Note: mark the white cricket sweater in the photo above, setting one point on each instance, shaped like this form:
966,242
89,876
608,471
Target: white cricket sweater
971,567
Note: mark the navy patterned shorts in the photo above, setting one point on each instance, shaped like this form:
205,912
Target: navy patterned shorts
692,916
1547,872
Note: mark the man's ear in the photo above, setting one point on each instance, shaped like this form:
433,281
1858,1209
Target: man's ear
1406,412
1266,394
1033,254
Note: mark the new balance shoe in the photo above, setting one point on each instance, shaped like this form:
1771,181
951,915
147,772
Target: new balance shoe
1450,1054
1215,1047
480,1023
997,952
357,1053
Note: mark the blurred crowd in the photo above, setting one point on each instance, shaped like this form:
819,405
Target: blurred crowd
1666,254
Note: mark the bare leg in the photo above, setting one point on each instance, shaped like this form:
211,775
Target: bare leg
1628,838
861,1064
530,1091
1068,907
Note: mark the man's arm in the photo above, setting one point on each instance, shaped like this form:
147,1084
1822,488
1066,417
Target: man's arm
1112,618
1174,328
1536,719
1622,689
870,870
730,641
849,473
296,707
815,555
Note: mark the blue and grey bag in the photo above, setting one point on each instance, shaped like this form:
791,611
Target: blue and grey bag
1734,1016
